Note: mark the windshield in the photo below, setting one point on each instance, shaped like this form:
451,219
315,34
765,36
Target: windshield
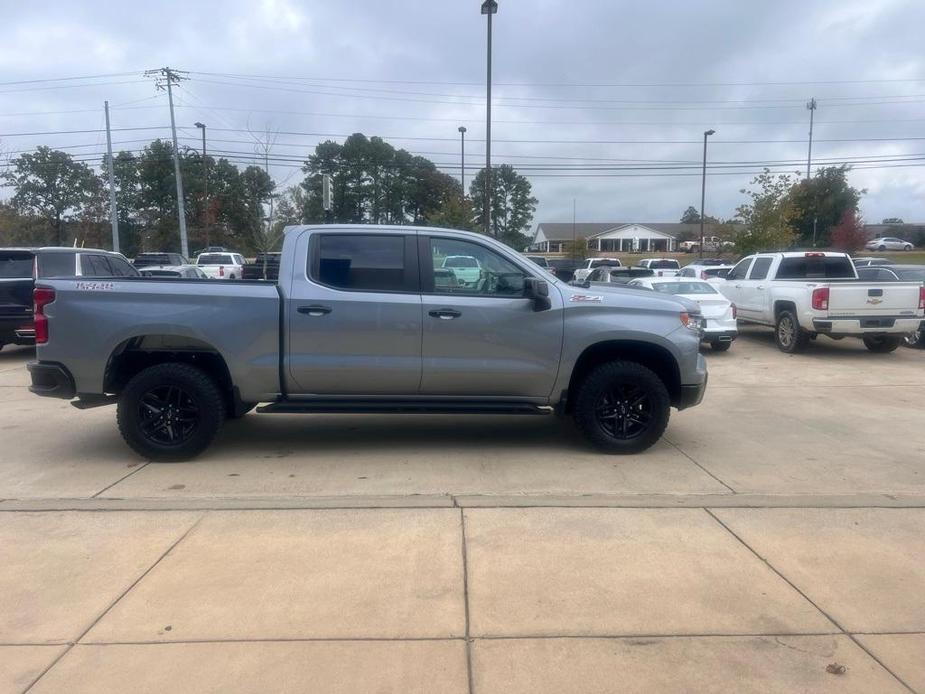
605,261
684,288
214,259
460,261
15,265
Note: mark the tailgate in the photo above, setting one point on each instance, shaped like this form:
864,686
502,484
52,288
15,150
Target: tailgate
874,298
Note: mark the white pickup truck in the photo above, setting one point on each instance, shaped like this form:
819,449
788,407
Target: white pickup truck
806,294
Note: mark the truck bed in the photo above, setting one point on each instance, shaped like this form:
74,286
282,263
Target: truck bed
239,320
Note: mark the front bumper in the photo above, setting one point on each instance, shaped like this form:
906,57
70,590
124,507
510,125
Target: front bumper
51,380
692,393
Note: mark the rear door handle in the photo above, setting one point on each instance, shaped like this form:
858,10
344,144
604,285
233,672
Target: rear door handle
445,313
738,286
315,310
760,286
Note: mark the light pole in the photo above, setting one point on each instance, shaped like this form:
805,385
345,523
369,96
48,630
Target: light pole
205,178
703,186
462,157
489,8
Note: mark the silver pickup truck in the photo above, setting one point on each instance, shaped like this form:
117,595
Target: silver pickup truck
368,319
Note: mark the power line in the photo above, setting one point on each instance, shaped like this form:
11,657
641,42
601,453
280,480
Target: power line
571,84
67,79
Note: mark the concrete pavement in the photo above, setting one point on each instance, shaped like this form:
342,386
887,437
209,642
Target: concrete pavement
772,542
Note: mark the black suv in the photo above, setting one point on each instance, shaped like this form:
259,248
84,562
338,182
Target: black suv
20,266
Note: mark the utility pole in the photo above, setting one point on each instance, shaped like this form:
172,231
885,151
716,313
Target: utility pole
112,184
165,79
462,157
811,106
205,183
489,8
703,187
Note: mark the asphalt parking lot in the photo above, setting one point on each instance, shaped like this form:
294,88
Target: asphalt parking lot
773,541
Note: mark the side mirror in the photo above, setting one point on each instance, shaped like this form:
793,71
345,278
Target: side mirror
538,291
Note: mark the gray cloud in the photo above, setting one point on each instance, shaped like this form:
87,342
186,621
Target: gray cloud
717,55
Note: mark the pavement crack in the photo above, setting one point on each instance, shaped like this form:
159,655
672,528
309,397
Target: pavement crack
465,567
691,458
71,644
122,479
808,599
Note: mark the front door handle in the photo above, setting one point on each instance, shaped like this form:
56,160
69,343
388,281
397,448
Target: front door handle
315,310
760,286
738,286
445,313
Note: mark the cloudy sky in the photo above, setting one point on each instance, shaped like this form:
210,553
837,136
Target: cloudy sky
603,102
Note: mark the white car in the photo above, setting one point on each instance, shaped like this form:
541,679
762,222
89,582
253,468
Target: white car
888,243
719,325
581,274
663,267
221,266
706,270
467,269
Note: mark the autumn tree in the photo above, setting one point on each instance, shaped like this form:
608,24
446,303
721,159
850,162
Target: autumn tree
768,218
848,235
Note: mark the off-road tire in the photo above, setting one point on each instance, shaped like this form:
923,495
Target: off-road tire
882,344
601,385
788,335
199,392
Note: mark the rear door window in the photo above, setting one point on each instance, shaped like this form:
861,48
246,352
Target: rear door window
57,265
361,262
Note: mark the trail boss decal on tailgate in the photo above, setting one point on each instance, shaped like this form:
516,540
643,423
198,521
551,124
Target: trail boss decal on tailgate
95,286
586,298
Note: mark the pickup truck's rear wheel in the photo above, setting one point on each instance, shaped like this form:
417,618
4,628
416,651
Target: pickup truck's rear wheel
913,339
788,334
622,407
881,344
170,412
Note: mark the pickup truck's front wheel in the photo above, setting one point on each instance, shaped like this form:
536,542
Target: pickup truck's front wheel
622,407
170,412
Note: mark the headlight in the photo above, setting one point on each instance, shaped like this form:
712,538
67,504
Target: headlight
691,321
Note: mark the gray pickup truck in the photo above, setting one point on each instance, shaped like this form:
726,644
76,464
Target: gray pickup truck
368,319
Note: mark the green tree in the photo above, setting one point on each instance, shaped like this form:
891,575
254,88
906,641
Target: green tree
690,216
768,219
455,213
824,200
512,204
51,185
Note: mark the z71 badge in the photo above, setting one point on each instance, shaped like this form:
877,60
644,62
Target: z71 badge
586,298
95,286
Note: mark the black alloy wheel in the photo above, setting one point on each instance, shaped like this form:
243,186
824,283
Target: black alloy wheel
624,412
168,415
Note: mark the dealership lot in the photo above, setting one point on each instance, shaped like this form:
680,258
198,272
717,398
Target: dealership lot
773,536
